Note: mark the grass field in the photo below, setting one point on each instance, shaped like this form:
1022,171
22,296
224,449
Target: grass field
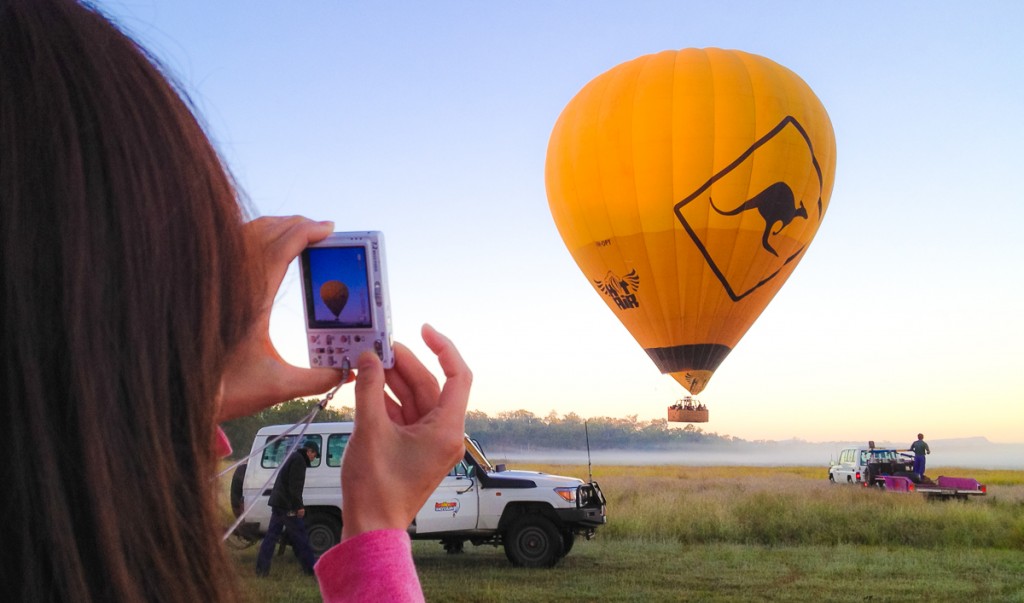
741,534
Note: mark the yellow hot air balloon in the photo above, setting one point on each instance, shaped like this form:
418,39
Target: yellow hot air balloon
335,296
687,186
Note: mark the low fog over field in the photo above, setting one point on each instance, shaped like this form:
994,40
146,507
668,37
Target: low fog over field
963,452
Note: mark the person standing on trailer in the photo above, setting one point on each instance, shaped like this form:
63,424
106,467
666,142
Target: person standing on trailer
919,448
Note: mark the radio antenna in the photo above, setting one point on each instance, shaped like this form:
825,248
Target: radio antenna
590,471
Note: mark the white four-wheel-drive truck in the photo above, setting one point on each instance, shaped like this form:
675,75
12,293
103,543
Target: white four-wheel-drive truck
535,516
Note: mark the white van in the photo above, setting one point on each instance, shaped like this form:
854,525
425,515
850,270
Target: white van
535,516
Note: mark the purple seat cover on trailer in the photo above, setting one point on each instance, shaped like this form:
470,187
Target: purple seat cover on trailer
960,483
897,483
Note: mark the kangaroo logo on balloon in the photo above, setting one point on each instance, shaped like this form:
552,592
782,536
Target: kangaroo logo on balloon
776,206
781,211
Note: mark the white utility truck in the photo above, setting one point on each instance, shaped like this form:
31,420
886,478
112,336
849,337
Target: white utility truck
535,516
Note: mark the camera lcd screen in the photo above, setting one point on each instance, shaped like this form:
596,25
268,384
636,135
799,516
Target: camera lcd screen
337,283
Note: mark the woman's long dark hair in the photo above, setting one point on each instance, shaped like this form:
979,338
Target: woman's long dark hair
124,285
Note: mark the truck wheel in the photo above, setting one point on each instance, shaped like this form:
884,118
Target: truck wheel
237,502
533,541
831,478
568,539
324,531
453,546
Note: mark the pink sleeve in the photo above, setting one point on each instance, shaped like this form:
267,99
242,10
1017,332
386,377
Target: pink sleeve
374,566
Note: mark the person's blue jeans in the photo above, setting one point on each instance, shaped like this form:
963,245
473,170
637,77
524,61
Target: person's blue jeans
919,464
279,520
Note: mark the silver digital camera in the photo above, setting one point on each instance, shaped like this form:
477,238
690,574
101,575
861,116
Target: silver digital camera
345,293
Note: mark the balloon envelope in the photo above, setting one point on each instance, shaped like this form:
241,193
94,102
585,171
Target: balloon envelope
687,186
335,296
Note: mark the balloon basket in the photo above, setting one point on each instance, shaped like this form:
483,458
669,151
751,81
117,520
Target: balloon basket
680,415
688,410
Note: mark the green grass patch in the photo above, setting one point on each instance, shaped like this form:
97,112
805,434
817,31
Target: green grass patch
634,570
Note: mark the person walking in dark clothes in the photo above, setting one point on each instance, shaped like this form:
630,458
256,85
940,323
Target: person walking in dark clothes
287,511
919,448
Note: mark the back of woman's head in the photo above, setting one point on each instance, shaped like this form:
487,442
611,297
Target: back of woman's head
124,285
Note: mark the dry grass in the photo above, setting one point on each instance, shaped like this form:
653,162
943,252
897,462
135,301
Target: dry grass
798,506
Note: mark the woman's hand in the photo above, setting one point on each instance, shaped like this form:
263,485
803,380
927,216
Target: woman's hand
256,376
400,450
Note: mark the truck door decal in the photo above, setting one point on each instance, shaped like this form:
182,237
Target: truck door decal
446,506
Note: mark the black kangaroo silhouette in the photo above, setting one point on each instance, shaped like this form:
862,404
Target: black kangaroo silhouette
775,204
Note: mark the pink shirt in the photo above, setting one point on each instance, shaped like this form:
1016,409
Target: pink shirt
221,443
373,566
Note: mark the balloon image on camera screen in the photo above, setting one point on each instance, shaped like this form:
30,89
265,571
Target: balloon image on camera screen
337,280
335,296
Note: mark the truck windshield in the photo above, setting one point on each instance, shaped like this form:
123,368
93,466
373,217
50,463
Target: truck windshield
478,456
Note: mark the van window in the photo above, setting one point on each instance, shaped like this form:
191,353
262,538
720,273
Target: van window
335,446
273,455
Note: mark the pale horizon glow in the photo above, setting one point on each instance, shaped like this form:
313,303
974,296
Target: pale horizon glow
430,121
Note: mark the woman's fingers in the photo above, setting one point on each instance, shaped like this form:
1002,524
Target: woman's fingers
284,237
418,390
370,400
394,410
276,241
256,375
301,382
415,388
399,453
454,396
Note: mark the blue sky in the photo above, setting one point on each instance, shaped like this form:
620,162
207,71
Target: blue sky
430,121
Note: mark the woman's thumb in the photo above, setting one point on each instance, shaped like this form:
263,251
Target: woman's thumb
369,388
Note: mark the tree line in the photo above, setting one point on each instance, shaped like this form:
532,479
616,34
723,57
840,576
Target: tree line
509,430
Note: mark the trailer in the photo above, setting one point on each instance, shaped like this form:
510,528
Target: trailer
944,487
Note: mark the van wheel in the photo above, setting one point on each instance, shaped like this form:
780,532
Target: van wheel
831,478
533,541
324,531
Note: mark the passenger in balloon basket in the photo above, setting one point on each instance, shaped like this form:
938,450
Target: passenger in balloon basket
287,511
